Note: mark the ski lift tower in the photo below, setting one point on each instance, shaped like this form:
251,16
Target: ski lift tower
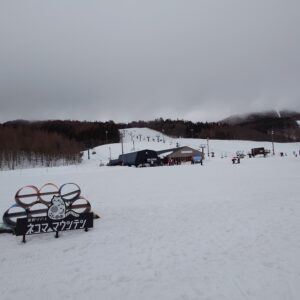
122,141
207,141
202,147
273,150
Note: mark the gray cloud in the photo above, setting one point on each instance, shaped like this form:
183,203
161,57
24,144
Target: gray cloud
125,60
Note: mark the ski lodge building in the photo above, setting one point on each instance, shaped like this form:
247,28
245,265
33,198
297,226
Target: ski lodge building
145,158
181,155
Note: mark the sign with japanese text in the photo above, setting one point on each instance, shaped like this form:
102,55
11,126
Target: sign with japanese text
37,225
49,209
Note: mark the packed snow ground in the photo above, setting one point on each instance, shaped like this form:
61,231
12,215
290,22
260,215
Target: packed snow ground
217,231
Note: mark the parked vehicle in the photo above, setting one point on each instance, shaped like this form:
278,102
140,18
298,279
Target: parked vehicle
259,151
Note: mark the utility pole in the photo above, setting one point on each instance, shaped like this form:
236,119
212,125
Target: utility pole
207,146
131,135
202,146
109,153
272,134
122,136
89,146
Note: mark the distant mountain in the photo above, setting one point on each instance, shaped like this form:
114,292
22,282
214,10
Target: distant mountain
258,116
290,114
250,117
284,124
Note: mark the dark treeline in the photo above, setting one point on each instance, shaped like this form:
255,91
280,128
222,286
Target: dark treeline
284,129
22,147
51,143
87,134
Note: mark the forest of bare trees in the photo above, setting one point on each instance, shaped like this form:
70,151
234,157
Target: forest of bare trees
50,143
22,147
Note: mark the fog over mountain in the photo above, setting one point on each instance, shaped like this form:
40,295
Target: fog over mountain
254,116
128,60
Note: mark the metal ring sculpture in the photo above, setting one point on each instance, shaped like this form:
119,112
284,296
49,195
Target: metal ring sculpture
29,196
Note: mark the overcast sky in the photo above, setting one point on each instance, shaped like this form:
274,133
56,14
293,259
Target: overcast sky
128,60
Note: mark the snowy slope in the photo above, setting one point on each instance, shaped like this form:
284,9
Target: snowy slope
137,139
143,135
218,231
